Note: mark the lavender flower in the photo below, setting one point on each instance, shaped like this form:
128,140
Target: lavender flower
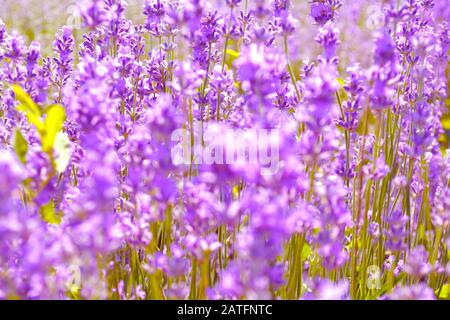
416,292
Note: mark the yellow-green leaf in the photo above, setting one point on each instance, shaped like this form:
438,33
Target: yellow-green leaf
74,292
28,107
56,115
48,213
232,53
230,56
21,146
26,100
306,251
444,292
235,191
445,123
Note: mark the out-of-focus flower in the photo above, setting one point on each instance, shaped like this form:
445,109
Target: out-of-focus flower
415,292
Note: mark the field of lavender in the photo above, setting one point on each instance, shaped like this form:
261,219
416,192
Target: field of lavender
224,149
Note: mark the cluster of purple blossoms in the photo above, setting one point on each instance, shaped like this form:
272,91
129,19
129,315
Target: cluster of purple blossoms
358,121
